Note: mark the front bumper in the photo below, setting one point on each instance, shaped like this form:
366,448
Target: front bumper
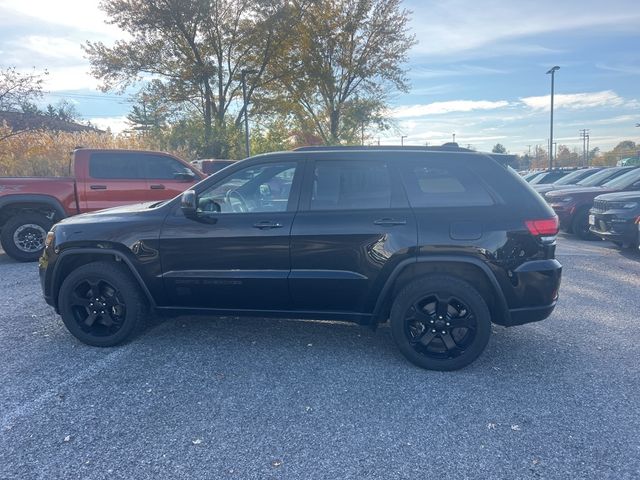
615,229
564,213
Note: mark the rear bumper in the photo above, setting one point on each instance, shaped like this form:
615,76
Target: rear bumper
532,292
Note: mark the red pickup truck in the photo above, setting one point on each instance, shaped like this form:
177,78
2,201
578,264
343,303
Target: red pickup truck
103,179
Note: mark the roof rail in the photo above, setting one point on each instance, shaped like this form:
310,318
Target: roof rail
449,146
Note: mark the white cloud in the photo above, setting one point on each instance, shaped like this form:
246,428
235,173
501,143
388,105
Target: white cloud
436,108
116,124
605,98
51,47
76,15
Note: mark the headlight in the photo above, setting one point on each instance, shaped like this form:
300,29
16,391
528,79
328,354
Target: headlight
620,205
51,235
630,205
565,199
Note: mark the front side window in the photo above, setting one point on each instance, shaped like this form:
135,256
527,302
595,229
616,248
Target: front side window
443,186
347,184
159,167
255,189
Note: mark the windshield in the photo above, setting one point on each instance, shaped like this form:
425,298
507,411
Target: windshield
598,178
624,181
573,177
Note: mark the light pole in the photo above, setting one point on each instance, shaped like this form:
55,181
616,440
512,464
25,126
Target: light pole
243,77
402,140
551,71
454,138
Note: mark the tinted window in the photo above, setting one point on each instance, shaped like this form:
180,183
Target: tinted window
161,167
443,186
347,184
259,188
602,176
625,181
114,165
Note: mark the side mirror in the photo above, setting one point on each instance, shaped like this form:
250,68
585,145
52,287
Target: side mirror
188,204
184,176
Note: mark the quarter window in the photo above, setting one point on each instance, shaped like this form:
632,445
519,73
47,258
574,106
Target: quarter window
344,185
443,186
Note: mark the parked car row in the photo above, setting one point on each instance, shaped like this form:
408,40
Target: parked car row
597,203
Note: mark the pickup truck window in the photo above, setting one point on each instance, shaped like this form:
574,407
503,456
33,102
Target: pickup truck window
161,167
115,166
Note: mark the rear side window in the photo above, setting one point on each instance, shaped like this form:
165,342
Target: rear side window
114,166
351,184
441,185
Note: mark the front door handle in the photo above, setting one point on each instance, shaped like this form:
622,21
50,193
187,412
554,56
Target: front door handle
390,221
98,187
157,187
267,224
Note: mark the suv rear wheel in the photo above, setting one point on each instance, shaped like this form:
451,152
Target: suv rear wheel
440,323
101,304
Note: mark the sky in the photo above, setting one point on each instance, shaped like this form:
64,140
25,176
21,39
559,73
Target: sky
478,69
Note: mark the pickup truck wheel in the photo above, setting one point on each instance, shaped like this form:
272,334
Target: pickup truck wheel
23,236
440,323
101,304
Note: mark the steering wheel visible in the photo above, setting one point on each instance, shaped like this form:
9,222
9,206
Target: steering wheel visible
236,201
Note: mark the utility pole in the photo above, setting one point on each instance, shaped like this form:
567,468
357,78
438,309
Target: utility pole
454,137
243,77
584,134
402,137
551,71
588,151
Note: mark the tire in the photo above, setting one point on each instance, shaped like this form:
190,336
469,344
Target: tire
101,304
580,225
23,236
431,306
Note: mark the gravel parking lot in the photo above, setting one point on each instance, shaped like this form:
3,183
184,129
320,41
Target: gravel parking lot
257,398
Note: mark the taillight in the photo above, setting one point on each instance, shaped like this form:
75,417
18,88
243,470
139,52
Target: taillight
543,228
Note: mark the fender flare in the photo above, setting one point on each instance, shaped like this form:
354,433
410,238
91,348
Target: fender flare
499,295
56,282
48,200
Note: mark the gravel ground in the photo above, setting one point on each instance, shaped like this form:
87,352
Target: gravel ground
256,398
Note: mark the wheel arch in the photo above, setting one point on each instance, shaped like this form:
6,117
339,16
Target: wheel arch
72,258
470,269
12,204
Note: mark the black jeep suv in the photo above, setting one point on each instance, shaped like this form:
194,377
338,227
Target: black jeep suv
442,241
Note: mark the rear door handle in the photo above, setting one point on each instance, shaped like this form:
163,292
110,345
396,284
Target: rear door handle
98,187
390,221
157,187
267,224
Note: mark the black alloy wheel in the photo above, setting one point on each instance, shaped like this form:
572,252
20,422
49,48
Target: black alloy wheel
101,304
98,307
440,322
440,326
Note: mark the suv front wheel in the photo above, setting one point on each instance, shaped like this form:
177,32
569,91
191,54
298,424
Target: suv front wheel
101,304
440,323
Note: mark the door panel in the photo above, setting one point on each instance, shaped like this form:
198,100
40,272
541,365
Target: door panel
354,228
113,179
235,255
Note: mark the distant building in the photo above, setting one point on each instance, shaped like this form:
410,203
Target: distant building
18,121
